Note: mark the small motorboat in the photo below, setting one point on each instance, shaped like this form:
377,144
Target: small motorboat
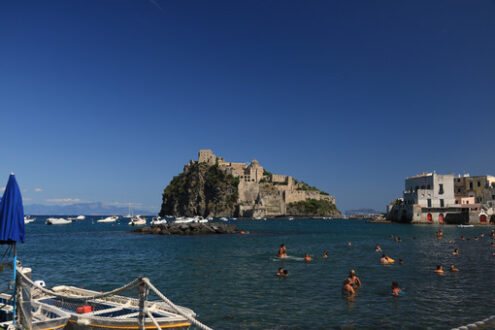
465,226
91,310
28,219
80,217
158,221
184,220
114,312
108,219
137,221
57,221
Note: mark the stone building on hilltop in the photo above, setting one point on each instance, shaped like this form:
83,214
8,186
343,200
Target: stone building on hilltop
260,193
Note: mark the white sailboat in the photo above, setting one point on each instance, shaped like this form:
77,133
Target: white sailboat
137,221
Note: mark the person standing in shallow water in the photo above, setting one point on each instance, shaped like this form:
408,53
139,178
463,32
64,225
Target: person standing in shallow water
355,281
282,252
347,289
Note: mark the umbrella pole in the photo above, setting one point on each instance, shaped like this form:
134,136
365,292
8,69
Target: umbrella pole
15,287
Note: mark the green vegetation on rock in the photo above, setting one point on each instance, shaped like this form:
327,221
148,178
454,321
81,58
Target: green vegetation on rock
312,207
201,190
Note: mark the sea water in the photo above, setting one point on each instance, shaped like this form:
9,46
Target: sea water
230,282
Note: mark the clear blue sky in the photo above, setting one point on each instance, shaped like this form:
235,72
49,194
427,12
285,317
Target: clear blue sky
107,100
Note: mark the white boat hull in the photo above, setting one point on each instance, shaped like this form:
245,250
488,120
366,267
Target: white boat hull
57,221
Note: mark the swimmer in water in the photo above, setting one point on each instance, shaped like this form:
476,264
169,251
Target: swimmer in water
347,289
349,244
282,252
325,254
453,269
482,235
456,252
475,238
355,281
378,248
395,289
385,259
397,239
439,269
280,271
463,238
401,261
307,257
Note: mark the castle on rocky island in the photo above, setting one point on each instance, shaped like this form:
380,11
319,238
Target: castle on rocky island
213,187
261,193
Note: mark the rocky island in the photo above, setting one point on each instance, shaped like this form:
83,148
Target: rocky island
214,187
190,229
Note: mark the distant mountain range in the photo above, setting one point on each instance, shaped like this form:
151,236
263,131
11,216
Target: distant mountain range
361,212
83,208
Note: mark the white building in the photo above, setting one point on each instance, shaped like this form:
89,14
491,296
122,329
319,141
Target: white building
430,190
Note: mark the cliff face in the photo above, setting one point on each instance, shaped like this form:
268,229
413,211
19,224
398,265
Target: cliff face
201,190
208,190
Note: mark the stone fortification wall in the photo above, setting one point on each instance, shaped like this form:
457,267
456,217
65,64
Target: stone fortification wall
256,198
270,202
294,196
277,178
248,192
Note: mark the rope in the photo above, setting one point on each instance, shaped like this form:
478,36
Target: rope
83,298
483,324
136,282
153,319
174,307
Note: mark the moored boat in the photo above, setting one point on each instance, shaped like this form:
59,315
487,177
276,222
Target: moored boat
158,221
137,221
57,221
28,219
465,226
41,316
108,219
92,310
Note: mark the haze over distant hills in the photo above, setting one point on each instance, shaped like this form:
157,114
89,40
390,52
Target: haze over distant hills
95,208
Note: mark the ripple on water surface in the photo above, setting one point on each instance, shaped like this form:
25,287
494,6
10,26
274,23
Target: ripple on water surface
228,280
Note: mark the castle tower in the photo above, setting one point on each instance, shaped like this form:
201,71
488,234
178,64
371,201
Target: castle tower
256,170
207,156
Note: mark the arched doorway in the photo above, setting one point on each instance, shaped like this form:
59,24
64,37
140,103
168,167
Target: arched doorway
429,218
440,218
483,218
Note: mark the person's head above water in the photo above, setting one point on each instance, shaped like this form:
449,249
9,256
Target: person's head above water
395,284
352,273
439,267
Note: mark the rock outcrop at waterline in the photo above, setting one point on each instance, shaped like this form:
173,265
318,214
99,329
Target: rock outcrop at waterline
201,190
189,229
213,187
